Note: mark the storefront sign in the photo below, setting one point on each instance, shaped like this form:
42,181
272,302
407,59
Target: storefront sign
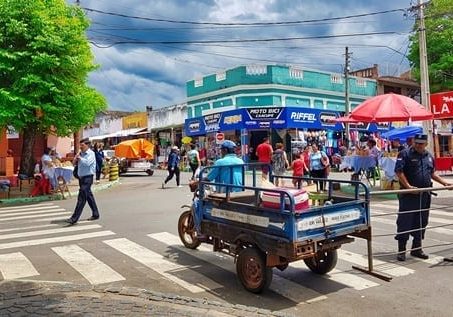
442,105
271,113
309,118
212,121
194,126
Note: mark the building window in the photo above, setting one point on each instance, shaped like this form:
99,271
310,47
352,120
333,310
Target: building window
296,73
256,70
220,76
360,82
198,82
336,79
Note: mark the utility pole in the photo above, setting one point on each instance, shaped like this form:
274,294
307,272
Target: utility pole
346,92
424,75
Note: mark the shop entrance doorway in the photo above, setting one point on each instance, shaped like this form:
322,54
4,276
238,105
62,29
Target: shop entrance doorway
256,138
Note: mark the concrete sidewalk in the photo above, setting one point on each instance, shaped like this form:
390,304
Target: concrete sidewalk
26,298
73,188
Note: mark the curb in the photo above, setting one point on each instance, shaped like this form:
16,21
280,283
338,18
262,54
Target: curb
16,290
23,200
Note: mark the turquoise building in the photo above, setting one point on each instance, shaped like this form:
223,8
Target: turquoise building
285,102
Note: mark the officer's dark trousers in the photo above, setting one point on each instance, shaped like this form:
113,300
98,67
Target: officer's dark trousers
85,195
417,219
171,172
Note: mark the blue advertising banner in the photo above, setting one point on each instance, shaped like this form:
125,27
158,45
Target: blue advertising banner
309,118
194,126
273,118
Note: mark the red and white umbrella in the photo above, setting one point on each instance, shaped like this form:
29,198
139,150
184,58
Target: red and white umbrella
388,108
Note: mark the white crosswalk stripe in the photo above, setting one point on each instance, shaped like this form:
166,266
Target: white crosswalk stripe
16,265
95,271
158,263
381,266
48,231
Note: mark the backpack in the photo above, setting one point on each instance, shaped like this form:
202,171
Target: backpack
278,162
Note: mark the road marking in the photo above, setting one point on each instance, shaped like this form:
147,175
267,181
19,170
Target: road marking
33,212
431,218
49,219
26,228
393,222
27,206
95,271
432,211
28,243
385,267
49,231
158,263
348,279
32,216
285,287
6,211
16,265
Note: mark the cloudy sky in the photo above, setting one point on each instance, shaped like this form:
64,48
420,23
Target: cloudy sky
148,49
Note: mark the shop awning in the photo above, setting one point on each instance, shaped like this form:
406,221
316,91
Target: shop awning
121,133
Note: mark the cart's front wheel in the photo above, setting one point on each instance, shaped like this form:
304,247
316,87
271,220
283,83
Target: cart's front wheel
186,230
323,262
150,172
252,271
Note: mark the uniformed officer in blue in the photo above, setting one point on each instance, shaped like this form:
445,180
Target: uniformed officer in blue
415,169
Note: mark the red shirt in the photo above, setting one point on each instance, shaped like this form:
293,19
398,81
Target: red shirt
298,167
264,152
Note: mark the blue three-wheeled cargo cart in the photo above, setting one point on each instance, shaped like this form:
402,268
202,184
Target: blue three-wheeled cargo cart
235,220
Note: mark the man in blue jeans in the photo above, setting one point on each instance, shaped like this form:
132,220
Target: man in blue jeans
86,163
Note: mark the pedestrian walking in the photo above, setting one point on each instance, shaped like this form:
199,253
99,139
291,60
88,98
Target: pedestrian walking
415,169
173,166
194,159
86,169
279,163
264,153
99,155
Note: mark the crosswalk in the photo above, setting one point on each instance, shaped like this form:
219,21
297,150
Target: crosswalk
39,226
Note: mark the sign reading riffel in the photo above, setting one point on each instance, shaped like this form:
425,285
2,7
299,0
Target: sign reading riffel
442,105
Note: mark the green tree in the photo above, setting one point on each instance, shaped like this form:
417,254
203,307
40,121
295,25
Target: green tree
45,60
439,35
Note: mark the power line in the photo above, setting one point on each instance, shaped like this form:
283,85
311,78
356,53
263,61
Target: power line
249,40
242,24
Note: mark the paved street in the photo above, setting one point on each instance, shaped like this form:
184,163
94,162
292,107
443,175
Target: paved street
135,245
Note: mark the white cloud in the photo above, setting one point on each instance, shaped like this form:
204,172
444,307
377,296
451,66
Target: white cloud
133,76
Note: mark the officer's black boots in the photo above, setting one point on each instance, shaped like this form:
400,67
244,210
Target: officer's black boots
417,250
401,250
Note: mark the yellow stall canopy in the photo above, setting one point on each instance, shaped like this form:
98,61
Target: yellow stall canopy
135,149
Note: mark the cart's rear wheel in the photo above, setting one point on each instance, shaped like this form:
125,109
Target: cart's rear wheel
186,230
323,262
252,271
150,172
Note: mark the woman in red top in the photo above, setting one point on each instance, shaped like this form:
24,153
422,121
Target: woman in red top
299,168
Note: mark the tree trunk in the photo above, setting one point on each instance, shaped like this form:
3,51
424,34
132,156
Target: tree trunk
27,161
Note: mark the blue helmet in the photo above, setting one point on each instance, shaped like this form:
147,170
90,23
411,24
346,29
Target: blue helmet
229,145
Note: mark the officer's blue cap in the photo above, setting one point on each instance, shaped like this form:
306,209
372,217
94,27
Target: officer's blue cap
421,138
227,144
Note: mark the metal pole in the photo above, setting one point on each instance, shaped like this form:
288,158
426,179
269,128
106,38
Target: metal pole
424,75
346,94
